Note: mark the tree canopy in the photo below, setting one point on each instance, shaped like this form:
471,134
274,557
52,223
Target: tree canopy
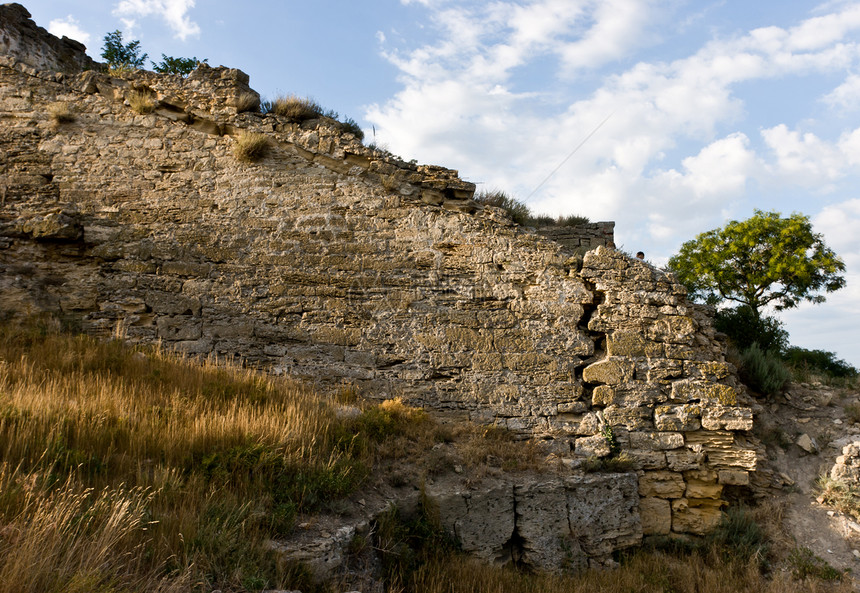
764,260
119,54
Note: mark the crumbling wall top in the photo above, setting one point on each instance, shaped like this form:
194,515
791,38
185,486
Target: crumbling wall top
34,46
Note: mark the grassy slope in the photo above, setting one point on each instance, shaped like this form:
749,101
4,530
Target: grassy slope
127,469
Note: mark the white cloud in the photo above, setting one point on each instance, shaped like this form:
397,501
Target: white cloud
847,95
70,27
804,159
463,105
174,13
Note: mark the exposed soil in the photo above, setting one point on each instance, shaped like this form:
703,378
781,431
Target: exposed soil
794,464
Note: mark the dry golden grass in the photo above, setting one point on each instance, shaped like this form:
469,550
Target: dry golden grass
251,147
645,572
141,102
247,102
61,113
297,109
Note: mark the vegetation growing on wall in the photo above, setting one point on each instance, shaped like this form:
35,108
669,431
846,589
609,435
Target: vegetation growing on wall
521,214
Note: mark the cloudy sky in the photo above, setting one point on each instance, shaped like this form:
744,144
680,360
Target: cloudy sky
695,111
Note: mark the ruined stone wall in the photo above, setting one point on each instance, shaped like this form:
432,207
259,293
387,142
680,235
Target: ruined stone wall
343,265
582,237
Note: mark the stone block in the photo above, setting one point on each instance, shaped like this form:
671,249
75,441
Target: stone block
612,371
621,343
684,417
662,484
629,418
704,391
603,395
697,489
656,514
727,418
593,446
647,459
694,516
734,477
681,460
656,441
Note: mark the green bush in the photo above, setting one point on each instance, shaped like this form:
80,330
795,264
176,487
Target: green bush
819,361
744,328
122,55
518,211
763,371
739,537
180,66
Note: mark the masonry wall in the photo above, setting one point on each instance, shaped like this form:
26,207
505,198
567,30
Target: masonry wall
347,266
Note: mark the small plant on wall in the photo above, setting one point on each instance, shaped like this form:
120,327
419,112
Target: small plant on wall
251,147
141,102
61,113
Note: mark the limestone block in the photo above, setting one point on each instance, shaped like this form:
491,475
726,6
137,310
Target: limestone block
182,327
483,521
593,446
704,391
685,417
744,459
647,459
715,417
662,484
547,541
656,441
681,460
603,395
734,478
695,516
629,418
661,369
621,343
656,514
172,304
708,370
700,489
603,512
612,371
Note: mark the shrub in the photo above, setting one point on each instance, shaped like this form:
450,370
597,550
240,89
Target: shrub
351,126
296,109
518,211
805,564
180,66
141,102
61,113
744,328
247,102
251,147
819,361
763,371
738,537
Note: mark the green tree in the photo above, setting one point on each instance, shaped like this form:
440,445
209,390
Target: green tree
181,66
764,260
122,55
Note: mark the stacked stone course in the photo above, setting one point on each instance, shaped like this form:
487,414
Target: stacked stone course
345,265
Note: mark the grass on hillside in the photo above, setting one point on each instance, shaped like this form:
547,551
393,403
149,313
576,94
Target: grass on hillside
130,469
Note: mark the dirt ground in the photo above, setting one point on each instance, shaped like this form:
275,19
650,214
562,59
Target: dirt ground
794,464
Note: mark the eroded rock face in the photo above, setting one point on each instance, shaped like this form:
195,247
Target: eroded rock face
33,46
344,265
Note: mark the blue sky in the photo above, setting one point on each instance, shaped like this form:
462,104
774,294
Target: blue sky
715,108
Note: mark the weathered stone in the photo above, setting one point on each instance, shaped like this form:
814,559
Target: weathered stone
734,478
694,516
656,441
704,391
662,484
698,489
613,371
593,446
681,460
685,417
715,417
656,516
807,443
